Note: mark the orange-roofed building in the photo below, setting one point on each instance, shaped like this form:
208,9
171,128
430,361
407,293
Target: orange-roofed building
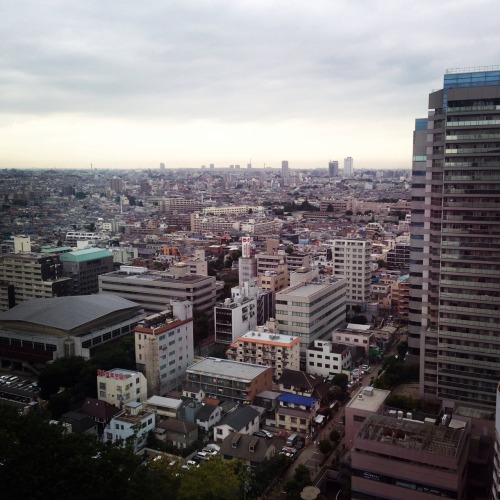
267,348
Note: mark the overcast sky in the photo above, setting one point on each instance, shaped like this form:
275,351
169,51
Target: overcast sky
187,83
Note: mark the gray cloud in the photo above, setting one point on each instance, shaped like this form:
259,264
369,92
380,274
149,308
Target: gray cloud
232,61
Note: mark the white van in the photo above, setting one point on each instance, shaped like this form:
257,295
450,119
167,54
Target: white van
292,439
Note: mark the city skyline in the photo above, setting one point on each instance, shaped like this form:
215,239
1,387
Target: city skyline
190,84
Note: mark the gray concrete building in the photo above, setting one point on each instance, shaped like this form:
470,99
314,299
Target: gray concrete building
454,317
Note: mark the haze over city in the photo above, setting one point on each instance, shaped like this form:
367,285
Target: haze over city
127,85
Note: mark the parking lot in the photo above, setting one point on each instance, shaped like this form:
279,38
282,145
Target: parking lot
18,390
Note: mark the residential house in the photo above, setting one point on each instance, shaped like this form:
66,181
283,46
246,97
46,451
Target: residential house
251,449
243,419
179,433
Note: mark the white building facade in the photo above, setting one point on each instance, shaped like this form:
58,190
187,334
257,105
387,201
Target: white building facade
119,387
164,347
351,260
311,310
326,358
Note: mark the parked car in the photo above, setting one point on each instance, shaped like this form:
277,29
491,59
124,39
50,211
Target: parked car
366,368
261,434
299,444
269,434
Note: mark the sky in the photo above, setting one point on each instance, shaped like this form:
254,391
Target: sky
131,84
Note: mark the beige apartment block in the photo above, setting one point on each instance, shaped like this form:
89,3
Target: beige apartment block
267,348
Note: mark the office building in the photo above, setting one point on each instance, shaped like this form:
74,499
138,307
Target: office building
311,310
398,258
333,168
164,347
84,267
495,488
351,260
33,275
348,166
119,387
403,458
454,318
154,289
233,318
284,169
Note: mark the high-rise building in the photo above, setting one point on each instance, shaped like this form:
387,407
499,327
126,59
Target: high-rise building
33,275
284,168
164,347
348,166
351,259
311,310
454,316
333,168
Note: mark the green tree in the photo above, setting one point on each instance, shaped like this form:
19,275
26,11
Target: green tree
329,208
325,446
289,249
381,263
80,195
301,479
334,436
214,479
348,213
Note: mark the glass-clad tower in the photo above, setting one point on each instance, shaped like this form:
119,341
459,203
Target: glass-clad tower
455,260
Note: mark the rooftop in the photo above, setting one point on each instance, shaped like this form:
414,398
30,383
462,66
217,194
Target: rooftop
156,276
269,338
85,255
66,313
226,368
412,434
371,399
164,402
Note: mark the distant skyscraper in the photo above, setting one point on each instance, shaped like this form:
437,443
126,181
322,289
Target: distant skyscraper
333,168
348,166
454,313
284,168
162,166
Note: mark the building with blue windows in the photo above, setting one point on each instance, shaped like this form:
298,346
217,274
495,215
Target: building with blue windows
454,314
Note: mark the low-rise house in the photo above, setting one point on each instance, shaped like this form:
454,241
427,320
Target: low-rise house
79,422
133,423
179,433
100,411
251,449
164,407
207,416
297,413
243,419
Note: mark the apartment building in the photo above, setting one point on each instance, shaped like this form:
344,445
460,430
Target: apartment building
227,380
351,260
325,358
311,310
266,347
154,289
164,347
